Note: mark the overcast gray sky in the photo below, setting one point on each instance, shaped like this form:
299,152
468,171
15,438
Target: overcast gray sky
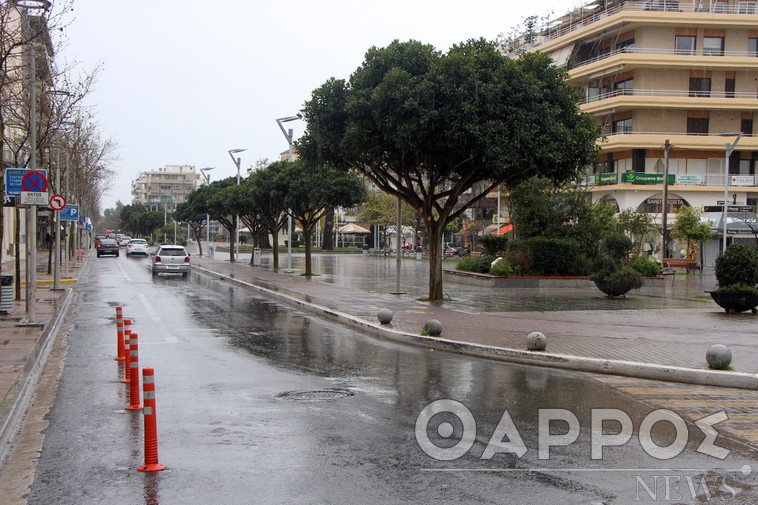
184,81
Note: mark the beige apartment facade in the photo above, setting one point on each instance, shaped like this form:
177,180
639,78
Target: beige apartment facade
674,86
165,187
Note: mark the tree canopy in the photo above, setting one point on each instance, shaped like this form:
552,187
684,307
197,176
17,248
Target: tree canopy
430,127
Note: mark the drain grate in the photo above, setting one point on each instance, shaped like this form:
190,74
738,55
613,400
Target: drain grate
316,394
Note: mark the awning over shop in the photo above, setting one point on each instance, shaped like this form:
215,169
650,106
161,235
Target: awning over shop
492,229
736,222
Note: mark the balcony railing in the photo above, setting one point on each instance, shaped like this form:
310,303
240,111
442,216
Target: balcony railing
586,16
670,93
678,52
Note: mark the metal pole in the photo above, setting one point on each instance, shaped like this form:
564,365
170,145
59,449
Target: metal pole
68,228
31,232
667,151
237,225
289,211
726,194
397,242
57,221
498,214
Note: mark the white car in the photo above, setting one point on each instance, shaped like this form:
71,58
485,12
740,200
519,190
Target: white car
124,240
170,259
137,246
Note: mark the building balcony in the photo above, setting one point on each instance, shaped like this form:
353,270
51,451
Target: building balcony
624,141
591,19
620,100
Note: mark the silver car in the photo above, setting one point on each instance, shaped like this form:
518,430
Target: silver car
137,246
171,259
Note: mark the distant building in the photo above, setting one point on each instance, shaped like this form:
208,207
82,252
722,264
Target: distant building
165,187
672,83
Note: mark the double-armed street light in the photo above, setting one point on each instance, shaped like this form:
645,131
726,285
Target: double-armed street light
288,135
207,216
237,162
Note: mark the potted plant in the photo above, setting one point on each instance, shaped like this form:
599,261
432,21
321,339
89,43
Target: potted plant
612,275
737,277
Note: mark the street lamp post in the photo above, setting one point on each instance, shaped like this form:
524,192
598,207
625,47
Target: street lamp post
237,162
288,136
207,216
728,150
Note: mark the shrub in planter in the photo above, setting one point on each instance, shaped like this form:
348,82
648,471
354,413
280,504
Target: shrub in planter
738,265
480,265
518,259
612,275
646,266
737,276
493,245
552,256
501,268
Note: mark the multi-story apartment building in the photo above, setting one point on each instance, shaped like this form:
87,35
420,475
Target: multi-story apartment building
674,85
165,188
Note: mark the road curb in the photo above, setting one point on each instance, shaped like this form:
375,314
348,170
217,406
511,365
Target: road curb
635,369
17,402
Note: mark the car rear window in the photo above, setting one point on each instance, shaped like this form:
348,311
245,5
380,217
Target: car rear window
138,241
172,252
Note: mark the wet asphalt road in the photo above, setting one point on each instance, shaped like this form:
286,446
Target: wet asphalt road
231,430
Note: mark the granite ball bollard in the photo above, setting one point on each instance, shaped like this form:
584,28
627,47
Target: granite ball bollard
536,341
719,357
433,328
385,316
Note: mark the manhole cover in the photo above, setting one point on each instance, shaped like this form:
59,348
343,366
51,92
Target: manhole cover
316,394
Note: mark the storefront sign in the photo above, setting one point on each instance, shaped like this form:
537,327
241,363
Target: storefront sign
645,178
692,180
606,179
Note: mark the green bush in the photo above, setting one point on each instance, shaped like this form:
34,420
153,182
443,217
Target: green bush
493,245
501,268
551,256
518,258
618,246
738,265
622,280
646,266
479,265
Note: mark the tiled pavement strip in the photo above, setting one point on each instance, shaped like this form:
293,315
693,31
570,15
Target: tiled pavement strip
676,336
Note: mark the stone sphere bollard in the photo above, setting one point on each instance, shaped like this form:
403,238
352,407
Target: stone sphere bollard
718,356
536,341
385,316
433,328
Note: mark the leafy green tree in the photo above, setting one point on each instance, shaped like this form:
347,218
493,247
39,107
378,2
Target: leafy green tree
636,224
688,226
221,208
268,185
428,127
193,211
542,209
312,190
381,209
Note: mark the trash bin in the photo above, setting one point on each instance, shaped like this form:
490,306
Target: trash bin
210,251
419,254
6,293
257,257
365,249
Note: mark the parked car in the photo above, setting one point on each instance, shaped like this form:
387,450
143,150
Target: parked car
451,248
124,240
107,246
137,246
171,259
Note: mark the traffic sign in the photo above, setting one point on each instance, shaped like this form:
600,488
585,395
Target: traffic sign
13,178
34,180
70,213
34,198
57,202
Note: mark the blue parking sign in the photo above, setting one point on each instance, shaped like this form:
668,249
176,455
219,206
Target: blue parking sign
70,213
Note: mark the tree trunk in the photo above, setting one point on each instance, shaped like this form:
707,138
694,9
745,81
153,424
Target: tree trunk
307,233
198,236
436,231
275,246
231,244
327,244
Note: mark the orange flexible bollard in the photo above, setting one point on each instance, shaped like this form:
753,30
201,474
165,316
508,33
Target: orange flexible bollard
127,338
134,403
119,341
151,423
